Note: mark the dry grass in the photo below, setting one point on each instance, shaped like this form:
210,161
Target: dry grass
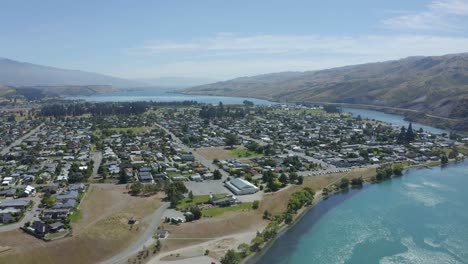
100,233
215,153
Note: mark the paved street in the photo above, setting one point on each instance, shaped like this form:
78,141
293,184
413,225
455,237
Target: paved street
19,140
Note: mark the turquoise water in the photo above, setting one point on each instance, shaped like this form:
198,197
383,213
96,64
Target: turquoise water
421,217
390,118
164,95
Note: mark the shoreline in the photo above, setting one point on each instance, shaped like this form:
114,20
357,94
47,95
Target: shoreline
257,256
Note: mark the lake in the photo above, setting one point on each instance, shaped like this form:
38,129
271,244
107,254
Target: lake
390,118
421,217
165,95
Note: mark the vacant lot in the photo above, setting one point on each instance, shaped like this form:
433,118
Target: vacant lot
215,153
101,231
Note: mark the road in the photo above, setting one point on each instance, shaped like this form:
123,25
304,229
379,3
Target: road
28,217
97,157
145,240
19,140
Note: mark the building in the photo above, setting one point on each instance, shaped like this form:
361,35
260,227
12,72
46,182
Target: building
145,176
240,187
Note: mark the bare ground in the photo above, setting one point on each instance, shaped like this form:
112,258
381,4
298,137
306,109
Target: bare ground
101,232
215,153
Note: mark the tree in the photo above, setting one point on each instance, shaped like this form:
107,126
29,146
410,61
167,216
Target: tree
344,183
136,188
257,242
444,159
190,195
231,257
196,212
266,214
217,175
300,180
244,249
357,181
293,176
283,178
123,178
230,139
410,133
255,204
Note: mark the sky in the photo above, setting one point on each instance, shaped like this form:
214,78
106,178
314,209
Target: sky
220,40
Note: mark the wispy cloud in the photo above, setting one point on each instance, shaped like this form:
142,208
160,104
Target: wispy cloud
439,15
234,45
230,55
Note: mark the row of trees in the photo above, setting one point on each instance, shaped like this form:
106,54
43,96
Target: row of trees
298,200
104,108
219,111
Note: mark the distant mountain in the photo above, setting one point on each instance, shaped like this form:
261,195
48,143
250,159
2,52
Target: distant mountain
18,74
177,82
435,85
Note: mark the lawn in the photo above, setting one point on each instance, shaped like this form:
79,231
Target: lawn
216,211
198,199
244,153
75,216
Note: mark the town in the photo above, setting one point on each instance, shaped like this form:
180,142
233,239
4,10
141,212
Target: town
201,161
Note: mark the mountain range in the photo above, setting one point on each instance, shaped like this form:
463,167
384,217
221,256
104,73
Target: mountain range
435,85
20,74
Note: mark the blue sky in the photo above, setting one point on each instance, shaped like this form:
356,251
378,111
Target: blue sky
226,39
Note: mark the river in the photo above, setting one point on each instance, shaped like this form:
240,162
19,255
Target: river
165,95
396,120
418,218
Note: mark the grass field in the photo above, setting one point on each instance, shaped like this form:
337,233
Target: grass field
244,153
198,199
217,211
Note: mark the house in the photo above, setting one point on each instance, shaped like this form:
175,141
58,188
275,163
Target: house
18,203
39,227
68,195
196,178
227,200
55,214
8,192
67,204
29,191
240,186
145,176
208,176
6,218
52,189
78,187
55,227
188,157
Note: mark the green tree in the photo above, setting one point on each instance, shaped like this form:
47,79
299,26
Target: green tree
231,257
231,139
444,159
255,205
123,178
283,178
217,175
